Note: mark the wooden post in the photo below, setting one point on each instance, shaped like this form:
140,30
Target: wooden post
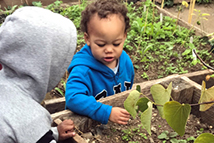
162,4
191,8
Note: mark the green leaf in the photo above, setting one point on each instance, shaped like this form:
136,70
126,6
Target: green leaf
207,95
161,96
186,52
164,135
191,138
176,115
146,118
173,134
136,66
60,91
174,140
142,104
194,62
138,88
130,102
205,14
205,138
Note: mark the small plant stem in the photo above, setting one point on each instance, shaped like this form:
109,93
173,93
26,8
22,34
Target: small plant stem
189,32
79,3
177,21
27,2
141,33
66,76
153,15
196,104
157,104
146,20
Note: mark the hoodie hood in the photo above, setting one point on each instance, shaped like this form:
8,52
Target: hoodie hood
36,47
85,58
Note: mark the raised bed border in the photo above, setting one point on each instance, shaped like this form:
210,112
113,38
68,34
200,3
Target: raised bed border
193,91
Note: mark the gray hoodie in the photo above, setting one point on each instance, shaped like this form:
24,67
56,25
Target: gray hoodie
36,47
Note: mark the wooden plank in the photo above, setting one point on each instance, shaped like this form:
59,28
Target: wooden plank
182,91
84,123
188,92
54,105
199,76
77,138
181,22
196,95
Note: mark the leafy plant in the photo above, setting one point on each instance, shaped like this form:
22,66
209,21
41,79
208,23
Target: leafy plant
55,7
62,92
165,135
175,113
37,3
205,138
203,1
9,10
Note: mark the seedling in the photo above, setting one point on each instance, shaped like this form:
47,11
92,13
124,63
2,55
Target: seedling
165,135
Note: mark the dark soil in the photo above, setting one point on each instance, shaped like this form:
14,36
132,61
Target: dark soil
133,132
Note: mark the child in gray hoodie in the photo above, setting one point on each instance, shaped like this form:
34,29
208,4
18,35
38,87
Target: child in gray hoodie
36,47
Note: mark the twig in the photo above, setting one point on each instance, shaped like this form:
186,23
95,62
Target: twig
26,2
209,67
201,103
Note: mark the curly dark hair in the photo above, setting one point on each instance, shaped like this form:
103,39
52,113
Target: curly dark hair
103,8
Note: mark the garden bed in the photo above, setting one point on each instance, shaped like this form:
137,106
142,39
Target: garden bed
146,77
184,90
153,63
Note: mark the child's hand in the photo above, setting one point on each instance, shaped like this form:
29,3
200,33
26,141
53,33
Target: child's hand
66,129
119,115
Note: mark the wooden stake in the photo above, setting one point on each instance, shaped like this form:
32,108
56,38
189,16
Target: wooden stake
77,138
190,10
193,6
162,4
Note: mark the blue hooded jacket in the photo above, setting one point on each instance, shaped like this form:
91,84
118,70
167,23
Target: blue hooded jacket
90,80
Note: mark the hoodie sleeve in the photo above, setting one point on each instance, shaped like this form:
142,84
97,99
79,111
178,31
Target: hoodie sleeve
79,99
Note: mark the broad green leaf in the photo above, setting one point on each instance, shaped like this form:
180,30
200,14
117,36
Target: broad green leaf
138,88
130,102
205,138
161,96
146,118
142,104
176,115
207,95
